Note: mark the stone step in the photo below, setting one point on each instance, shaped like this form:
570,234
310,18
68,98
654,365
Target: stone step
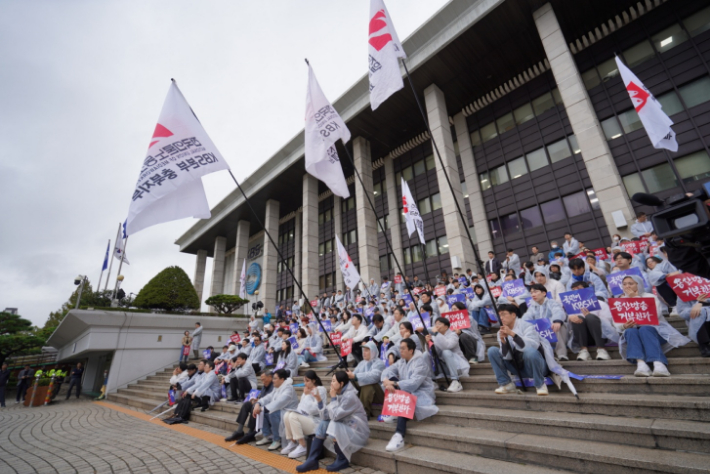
688,350
676,365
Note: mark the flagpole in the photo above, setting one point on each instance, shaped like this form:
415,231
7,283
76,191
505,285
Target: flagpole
101,276
120,264
461,214
113,252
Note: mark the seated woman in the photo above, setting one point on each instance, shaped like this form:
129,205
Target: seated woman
343,425
312,346
405,331
647,344
366,377
477,307
697,316
591,329
303,421
287,359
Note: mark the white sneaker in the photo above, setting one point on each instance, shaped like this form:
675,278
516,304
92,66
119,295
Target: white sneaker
602,354
455,386
510,388
660,370
289,447
263,441
396,443
583,355
275,445
642,369
542,391
305,365
564,358
298,452
389,419
473,361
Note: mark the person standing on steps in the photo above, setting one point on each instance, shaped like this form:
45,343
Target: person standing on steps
185,348
196,340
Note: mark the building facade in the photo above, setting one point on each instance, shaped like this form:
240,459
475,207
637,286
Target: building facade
535,131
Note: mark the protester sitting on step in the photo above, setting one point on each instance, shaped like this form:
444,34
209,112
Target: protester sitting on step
241,380
180,375
554,287
406,331
288,359
477,306
541,307
597,327
366,377
258,354
282,398
647,344
313,346
580,273
446,343
245,417
379,326
357,332
697,317
208,391
303,421
523,343
470,340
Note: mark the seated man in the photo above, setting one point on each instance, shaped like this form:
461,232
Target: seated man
522,343
241,379
366,377
447,347
542,307
257,355
378,326
245,413
580,273
412,374
312,346
208,391
224,355
357,332
470,340
194,379
179,375
283,397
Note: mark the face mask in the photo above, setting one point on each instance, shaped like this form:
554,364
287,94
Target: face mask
554,246
616,239
556,275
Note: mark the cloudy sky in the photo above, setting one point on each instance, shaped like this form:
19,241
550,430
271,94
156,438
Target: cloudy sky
81,87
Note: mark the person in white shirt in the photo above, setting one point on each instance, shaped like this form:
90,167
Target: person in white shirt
357,333
570,246
643,227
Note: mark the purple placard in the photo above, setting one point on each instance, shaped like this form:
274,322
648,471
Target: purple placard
463,280
294,328
574,301
407,299
294,342
326,324
269,359
544,329
451,299
417,322
614,279
467,292
513,288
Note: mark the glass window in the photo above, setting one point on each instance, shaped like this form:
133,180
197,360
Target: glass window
536,159
637,54
424,206
475,138
669,38
495,229
419,167
608,70
531,217
353,236
464,189
328,246
321,282
559,150
384,264
576,204
498,176
611,128
670,103
593,199
633,184
416,254
407,256
398,178
345,239
457,152
510,224
377,189
443,244
279,267
402,218
552,211
693,167
485,182
329,280
591,78
574,144
383,221
321,248
488,132
329,215
630,121
543,103
659,178
431,248
557,96
696,92
698,22
517,168
435,201
523,113
429,160
505,123
321,218
407,173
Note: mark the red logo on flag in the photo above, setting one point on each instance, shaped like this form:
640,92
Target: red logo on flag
378,22
638,96
160,132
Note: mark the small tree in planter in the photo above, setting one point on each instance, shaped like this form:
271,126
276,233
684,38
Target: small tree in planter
226,304
169,290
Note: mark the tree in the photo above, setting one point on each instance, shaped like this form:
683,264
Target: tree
225,304
169,290
18,336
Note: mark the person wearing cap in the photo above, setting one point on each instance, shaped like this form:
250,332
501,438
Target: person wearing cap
366,377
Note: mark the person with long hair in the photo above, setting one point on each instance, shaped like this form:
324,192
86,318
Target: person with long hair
303,421
288,360
186,343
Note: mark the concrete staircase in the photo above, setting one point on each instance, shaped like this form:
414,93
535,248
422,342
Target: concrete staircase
631,425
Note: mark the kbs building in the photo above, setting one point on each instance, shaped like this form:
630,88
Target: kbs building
535,128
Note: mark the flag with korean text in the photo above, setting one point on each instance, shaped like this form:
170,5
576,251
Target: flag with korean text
688,287
399,403
323,128
650,111
641,311
351,277
243,281
384,50
180,152
411,213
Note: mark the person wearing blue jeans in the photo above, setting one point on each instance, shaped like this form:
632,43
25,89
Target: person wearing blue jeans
476,305
519,339
282,398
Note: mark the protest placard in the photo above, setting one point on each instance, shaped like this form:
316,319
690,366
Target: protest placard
513,288
325,324
407,299
458,319
417,321
642,311
336,338
467,292
294,328
544,329
416,291
314,303
269,359
630,247
496,291
280,365
601,253
451,299
614,279
253,394
346,347
235,338
574,301
399,403
688,287
294,342
397,279
440,290
491,314
463,280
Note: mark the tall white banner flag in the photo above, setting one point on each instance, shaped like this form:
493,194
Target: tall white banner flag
653,118
385,51
119,245
323,128
243,281
411,213
169,185
351,277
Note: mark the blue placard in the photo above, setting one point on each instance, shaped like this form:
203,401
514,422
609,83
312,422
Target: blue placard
463,280
531,382
491,314
383,354
529,299
513,288
369,312
326,324
467,292
294,342
294,328
451,299
574,301
280,365
407,299
417,321
544,329
269,359
614,279
288,313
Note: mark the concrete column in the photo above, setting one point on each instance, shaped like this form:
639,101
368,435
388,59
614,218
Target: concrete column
220,245
297,254
241,247
368,248
309,258
338,230
475,196
395,224
267,291
459,245
199,280
600,164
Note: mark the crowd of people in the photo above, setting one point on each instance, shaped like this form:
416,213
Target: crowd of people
400,338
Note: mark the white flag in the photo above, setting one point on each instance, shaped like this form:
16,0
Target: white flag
653,118
351,277
385,51
243,281
180,153
411,213
119,246
323,128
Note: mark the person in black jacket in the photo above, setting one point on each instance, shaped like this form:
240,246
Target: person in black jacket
75,380
4,376
24,380
493,265
245,413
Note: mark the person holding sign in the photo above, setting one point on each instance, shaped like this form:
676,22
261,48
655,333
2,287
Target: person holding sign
580,273
470,341
366,377
657,271
282,398
287,359
697,317
302,421
313,346
412,374
357,333
446,343
542,307
378,327
241,379
554,287
596,327
647,344
476,305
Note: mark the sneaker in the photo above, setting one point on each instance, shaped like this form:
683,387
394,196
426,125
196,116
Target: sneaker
298,452
289,447
510,388
275,445
473,361
389,419
642,369
602,354
564,358
396,443
455,386
542,391
263,441
583,355
660,370
305,365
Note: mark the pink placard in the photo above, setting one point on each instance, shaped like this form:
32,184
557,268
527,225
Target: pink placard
399,403
458,319
440,290
346,347
336,338
688,287
642,311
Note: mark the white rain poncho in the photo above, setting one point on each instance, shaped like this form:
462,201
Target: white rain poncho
476,334
397,339
308,405
290,362
554,287
245,371
314,342
450,341
694,324
208,386
657,276
348,422
609,331
369,371
415,377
